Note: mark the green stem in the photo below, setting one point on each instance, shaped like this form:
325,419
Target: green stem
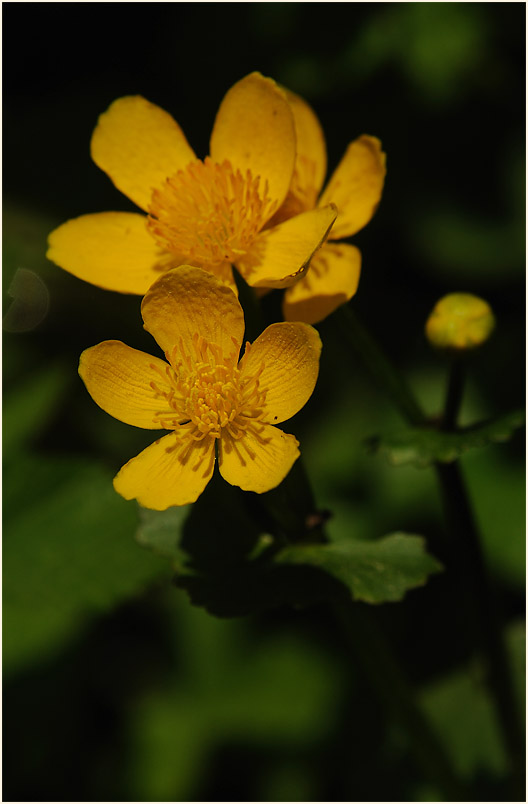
464,532
388,680
378,365
455,390
463,529
481,598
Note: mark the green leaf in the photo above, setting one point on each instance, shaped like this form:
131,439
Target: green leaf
373,571
68,555
423,447
491,477
222,560
160,531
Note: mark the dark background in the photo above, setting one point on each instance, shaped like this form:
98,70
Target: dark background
115,687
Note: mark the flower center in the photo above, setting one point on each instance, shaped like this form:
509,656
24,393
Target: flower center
210,391
209,213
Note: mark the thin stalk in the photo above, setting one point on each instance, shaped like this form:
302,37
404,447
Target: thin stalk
381,369
455,391
464,531
463,528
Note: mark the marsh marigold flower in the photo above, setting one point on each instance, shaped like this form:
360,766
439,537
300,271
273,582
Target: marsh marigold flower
355,188
209,399
459,322
209,213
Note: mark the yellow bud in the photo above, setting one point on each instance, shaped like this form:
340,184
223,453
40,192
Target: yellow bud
458,322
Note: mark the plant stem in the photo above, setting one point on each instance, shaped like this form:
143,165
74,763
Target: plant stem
464,532
455,390
482,599
463,529
388,680
378,365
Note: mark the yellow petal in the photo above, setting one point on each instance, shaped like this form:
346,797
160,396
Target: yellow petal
356,186
282,254
254,130
258,461
223,271
188,301
310,165
310,162
289,353
113,250
119,378
331,280
173,471
139,145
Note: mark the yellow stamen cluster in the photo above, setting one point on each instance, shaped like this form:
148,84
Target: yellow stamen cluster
210,391
209,212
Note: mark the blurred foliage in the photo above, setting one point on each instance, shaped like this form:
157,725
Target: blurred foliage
116,687
231,694
462,712
68,555
424,446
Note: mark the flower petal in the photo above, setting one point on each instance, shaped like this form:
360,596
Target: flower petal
310,162
113,250
172,471
188,301
356,186
282,254
118,379
258,461
311,147
254,130
290,355
139,145
331,280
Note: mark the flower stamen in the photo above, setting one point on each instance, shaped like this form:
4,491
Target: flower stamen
209,391
210,212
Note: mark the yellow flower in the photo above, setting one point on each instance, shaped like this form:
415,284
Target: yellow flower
355,188
208,213
203,394
459,322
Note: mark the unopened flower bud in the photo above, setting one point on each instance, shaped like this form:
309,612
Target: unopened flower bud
458,322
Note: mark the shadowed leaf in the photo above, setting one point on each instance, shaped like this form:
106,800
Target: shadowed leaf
423,447
373,571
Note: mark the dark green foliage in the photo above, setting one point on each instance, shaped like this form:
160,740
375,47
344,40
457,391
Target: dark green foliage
423,446
119,684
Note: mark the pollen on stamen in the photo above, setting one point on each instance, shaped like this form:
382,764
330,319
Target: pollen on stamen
210,212
209,393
